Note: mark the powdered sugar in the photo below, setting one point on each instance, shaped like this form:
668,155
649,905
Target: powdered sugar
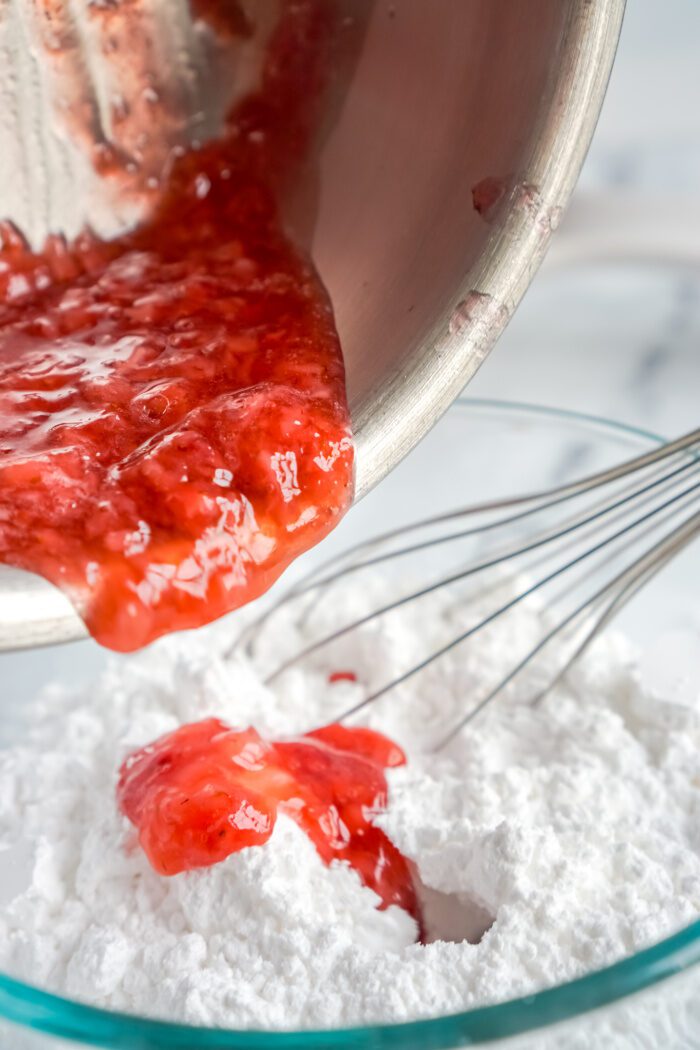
567,833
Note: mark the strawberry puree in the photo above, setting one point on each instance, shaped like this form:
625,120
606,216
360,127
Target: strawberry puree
206,791
174,428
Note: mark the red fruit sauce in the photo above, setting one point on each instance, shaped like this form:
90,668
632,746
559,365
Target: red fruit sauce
174,428
206,791
342,676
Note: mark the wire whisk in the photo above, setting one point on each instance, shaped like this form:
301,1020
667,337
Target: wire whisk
584,548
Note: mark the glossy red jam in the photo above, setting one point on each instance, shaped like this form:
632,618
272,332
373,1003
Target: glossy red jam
174,428
206,791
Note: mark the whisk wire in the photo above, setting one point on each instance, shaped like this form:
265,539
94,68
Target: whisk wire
527,592
493,562
655,490
533,503
630,580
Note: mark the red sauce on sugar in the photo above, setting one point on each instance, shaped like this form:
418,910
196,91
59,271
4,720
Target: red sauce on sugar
174,428
206,791
342,676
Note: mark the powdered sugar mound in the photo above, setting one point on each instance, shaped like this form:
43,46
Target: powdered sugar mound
557,837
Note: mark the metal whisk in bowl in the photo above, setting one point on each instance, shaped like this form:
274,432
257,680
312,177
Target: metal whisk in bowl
582,550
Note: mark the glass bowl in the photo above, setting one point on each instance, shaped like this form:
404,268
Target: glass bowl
480,450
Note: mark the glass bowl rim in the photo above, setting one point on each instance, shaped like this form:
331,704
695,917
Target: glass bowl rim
31,1007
